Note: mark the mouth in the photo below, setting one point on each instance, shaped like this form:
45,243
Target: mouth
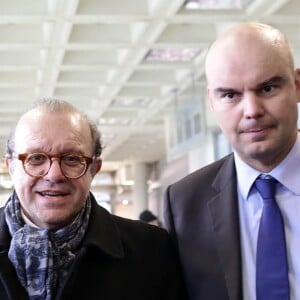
53,194
257,134
255,129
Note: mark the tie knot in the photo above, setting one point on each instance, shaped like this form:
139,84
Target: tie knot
266,187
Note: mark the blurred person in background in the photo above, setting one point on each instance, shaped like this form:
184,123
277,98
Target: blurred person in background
148,217
56,242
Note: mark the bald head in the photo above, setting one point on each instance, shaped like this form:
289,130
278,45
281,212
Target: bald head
247,39
253,90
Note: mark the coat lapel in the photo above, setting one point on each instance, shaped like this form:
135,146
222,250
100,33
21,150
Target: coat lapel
9,279
223,208
8,276
101,223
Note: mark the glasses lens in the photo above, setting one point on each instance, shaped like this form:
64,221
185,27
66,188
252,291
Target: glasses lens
37,164
73,166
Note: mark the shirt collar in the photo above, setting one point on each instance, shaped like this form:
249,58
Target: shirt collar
287,172
246,175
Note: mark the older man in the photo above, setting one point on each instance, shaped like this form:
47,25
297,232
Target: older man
55,241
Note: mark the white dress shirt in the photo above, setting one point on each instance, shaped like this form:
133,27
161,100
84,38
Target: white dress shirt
287,174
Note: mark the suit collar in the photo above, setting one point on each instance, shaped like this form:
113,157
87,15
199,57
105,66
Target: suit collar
223,208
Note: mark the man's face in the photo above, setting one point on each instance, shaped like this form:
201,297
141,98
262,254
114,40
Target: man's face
253,92
51,201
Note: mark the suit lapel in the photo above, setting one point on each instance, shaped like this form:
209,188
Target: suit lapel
223,208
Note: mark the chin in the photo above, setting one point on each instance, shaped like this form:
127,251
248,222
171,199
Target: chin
56,222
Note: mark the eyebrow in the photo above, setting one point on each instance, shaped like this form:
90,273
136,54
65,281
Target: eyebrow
221,90
272,80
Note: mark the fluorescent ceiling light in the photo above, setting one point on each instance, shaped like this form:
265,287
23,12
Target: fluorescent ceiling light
113,121
132,102
172,54
215,4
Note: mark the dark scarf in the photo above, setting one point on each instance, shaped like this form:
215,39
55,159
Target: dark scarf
40,256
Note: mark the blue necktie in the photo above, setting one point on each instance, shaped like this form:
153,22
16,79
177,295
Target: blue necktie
271,260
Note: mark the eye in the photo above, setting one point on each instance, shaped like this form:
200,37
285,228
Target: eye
229,95
72,160
268,88
36,159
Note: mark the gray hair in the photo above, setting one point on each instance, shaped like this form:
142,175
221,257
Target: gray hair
55,105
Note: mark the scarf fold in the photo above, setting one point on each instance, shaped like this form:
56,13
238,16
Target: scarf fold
42,257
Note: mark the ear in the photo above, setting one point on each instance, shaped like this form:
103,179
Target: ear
8,165
297,83
96,166
7,162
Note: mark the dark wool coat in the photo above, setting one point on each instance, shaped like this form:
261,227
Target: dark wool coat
119,259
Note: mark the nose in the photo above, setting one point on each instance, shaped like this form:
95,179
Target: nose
253,106
54,172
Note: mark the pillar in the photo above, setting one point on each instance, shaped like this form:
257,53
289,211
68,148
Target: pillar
140,188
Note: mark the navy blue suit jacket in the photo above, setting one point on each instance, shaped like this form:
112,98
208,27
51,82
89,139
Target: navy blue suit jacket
201,214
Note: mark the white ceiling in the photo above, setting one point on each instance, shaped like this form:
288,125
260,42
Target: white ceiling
92,53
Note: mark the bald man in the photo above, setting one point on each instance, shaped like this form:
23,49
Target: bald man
214,213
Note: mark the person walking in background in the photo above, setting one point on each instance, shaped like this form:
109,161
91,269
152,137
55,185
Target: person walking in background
148,217
236,221
55,241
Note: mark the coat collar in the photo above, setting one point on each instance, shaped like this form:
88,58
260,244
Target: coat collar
5,236
8,274
102,232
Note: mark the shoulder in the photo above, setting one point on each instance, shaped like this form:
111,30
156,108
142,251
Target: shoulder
138,232
144,242
111,230
205,175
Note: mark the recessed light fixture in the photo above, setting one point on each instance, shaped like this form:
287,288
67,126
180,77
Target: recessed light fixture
125,202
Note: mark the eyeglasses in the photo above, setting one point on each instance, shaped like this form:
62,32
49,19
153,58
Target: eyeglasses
39,164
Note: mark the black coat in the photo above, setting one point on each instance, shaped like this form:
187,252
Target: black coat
201,214
119,259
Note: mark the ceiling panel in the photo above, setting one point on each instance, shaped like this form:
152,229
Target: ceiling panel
124,64
101,33
116,7
82,76
28,7
289,8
